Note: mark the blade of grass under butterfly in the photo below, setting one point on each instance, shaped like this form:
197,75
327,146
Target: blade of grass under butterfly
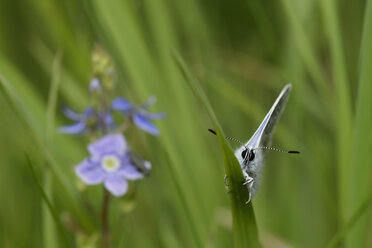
360,167
53,212
244,222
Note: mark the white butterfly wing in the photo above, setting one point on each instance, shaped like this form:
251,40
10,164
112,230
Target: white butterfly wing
262,136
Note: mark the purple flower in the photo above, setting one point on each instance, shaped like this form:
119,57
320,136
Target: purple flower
140,116
110,163
85,121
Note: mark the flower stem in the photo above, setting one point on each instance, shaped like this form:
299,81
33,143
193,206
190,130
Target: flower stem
105,219
123,127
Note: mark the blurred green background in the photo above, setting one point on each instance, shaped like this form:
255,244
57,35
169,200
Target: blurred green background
242,52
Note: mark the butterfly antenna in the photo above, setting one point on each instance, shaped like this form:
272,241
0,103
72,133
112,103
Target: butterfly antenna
236,140
229,138
212,131
277,150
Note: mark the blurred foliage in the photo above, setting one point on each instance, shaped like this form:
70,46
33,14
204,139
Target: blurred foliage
242,53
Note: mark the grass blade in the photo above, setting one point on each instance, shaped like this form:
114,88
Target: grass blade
53,94
50,237
343,97
29,123
340,235
244,223
48,203
304,47
360,168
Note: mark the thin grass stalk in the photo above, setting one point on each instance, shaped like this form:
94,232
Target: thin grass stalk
53,212
343,98
50,236
343,232
361,163
305,48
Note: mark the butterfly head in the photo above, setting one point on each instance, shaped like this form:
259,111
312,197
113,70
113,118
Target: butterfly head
248,155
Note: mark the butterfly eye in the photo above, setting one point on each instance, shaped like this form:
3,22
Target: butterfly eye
251,155
244,153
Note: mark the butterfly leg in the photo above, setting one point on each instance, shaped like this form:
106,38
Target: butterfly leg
249,182
226,185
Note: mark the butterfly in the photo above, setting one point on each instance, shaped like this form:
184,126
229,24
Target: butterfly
251,154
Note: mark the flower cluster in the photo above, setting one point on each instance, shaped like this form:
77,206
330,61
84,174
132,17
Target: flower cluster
111,161
91,119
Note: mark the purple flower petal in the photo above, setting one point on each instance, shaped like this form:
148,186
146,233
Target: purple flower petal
76,128
122,105
71,114
116,185
109,120
110,143
88,112
130,172
89,172
142,122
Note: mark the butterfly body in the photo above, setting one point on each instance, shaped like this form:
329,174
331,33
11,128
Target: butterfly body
252,153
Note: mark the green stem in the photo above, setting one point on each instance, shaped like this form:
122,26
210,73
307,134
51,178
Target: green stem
123,127
106,195
105,221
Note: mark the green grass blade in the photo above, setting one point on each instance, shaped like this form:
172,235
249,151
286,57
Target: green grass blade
343,96
50,237
244,223
71,90
49,230
29,123
340,235
360,168
304,47
53,212
263,22
53,95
